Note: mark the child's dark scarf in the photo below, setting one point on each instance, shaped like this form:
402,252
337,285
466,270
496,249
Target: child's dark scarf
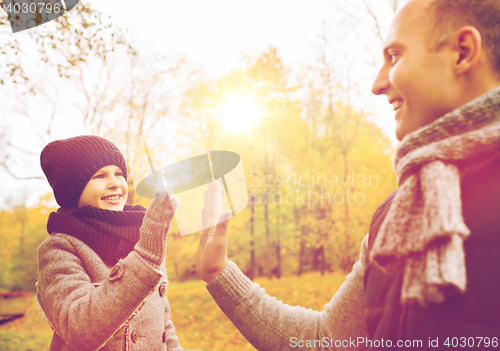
111,234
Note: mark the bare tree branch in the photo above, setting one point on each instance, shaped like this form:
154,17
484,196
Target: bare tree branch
14,176
394,4
376,22
22,150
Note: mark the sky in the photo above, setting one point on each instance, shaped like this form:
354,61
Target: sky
215,33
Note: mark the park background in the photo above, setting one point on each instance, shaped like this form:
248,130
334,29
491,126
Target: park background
285,84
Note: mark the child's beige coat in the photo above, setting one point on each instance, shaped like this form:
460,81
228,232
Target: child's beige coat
99,307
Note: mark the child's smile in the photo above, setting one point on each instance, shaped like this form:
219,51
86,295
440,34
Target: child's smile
107,189
112,199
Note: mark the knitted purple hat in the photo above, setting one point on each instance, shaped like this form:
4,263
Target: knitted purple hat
69,164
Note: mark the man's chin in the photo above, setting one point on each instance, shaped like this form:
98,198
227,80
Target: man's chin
403,129
400,133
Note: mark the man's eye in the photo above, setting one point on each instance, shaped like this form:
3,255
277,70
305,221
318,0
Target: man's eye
393,58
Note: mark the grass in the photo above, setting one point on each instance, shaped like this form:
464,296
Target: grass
29,333
199,323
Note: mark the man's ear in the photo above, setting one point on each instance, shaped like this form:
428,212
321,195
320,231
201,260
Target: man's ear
468,45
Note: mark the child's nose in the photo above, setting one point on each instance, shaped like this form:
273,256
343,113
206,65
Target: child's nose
114,183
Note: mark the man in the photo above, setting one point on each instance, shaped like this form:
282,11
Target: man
428,276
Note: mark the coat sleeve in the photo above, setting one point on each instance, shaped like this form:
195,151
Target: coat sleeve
269,324
85,316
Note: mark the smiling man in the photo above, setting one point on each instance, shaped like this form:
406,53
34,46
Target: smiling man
427,277
436,59
434,245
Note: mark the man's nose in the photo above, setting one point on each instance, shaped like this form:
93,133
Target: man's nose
381,83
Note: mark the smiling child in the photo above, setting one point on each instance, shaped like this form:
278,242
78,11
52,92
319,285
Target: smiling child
102,278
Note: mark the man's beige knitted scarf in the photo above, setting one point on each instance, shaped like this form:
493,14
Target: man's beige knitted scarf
424,230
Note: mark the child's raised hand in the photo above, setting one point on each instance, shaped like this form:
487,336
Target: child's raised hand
162,208
152,244
212,251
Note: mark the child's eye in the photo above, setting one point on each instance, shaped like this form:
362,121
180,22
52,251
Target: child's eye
99,176
119,174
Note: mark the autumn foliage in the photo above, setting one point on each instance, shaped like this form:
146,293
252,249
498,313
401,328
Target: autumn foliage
316,169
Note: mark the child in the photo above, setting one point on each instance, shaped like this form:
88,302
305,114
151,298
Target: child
102,277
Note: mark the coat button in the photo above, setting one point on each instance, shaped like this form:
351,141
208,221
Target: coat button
135,336
162,289
116,272
164,337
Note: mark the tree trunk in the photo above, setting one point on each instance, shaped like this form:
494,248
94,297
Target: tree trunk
278,244
266,169
302,240
346,205
251,273
322,253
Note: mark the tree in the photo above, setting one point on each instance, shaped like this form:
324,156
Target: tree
22,230
86,76
303,130
338,130
369,20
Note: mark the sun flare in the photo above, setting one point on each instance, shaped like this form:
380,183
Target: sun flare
239,113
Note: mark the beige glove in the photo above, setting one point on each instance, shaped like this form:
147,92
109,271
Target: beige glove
152,244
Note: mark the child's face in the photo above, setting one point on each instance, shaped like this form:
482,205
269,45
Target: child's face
106,189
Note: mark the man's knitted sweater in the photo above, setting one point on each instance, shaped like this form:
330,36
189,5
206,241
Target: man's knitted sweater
269,324
470,141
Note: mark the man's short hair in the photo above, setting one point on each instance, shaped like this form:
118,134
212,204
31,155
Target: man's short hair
448,16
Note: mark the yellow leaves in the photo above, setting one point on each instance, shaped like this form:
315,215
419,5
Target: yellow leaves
32,320
21,231
198,321
200,324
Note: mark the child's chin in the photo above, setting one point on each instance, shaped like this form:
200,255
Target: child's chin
113,207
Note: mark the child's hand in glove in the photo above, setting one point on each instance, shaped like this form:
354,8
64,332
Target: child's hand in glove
152,244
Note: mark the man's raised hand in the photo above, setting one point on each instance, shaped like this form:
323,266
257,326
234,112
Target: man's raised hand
212,251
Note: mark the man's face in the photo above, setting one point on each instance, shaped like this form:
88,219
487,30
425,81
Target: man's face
417,82
107,189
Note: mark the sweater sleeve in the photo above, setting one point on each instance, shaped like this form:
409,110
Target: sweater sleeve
269,324
84,315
